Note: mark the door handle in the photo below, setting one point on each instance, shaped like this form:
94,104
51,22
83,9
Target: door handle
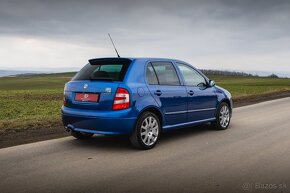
191,92
158,92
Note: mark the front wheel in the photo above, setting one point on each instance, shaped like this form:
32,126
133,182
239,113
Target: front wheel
81,135
223,117
147,131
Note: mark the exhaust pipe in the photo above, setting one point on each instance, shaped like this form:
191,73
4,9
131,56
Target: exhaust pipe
67,129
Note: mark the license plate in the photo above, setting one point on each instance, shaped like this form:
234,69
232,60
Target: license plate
87,97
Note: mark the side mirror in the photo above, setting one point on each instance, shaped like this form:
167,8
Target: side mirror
211,83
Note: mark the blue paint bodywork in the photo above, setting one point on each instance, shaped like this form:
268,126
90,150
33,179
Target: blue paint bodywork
175,107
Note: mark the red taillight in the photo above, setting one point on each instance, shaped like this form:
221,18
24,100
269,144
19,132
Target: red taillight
122,99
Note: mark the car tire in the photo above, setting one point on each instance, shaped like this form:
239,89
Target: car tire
223,117
147,131
81,135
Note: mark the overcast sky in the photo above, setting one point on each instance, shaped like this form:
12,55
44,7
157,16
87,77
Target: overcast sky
218,34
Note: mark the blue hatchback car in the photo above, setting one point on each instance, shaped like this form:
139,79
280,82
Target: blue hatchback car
141,97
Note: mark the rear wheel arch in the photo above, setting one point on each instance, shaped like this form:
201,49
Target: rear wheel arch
147,131
154,110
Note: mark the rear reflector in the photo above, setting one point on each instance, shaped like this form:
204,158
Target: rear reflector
122,99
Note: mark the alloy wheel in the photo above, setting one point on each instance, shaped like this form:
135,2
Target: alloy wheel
149,130
224,116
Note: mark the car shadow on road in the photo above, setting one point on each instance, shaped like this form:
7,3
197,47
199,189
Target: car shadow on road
178,134
121,142
104,142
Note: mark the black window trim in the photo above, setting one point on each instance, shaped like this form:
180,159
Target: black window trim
151,62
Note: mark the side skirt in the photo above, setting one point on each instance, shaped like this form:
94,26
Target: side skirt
188,123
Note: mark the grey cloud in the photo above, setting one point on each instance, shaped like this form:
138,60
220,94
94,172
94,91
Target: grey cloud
178,27
69,17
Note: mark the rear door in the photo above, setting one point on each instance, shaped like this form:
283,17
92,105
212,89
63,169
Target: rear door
165,87
94,87
202,100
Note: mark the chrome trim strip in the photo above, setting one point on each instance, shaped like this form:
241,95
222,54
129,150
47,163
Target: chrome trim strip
198,110
176,112
190,111
189,123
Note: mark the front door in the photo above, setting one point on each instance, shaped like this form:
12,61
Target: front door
202,100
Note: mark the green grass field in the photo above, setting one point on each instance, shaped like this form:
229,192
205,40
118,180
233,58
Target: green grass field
34,102
31,102
243,87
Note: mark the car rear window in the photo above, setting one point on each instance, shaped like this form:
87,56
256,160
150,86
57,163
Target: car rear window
104,69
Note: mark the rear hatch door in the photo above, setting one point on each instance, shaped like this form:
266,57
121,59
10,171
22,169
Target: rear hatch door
94,87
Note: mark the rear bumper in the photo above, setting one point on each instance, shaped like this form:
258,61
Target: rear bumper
99,122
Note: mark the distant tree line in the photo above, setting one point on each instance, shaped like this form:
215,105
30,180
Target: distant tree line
273,76
231,73
225,73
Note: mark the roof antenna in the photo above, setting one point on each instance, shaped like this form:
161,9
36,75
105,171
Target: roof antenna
114,45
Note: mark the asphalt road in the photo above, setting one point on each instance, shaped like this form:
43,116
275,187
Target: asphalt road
253,155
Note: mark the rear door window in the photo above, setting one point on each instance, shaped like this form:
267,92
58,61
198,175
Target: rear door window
166,73
104,69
